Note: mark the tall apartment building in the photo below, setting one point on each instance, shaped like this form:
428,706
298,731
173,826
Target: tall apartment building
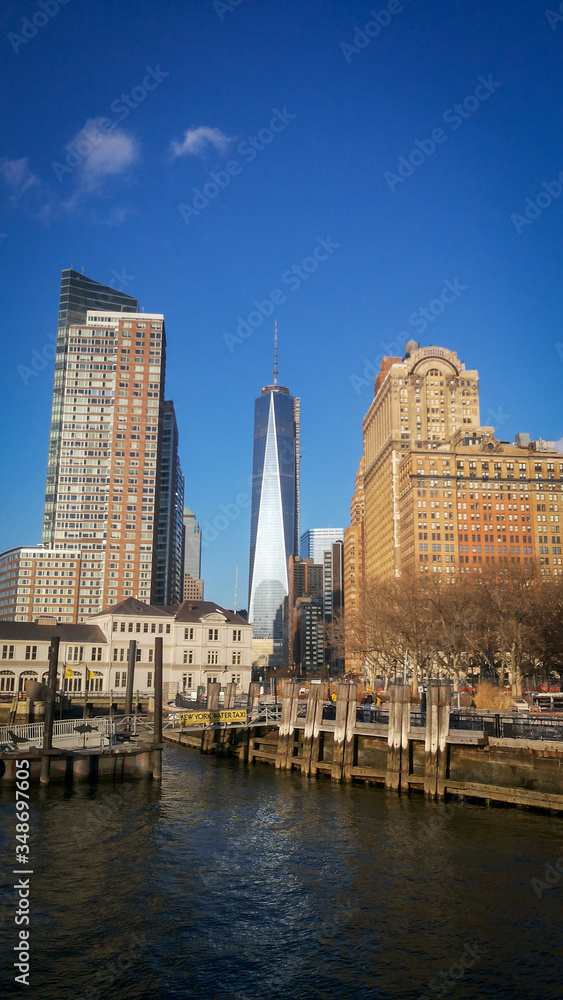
106,457
35,580
420,401
316,541
477,501
274,515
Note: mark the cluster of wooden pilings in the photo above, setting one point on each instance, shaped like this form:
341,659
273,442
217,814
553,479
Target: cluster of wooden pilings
405,753
315,745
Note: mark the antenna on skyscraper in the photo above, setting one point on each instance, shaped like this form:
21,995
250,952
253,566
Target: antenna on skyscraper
276,353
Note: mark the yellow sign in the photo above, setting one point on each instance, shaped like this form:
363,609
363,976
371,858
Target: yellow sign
208,718
70,673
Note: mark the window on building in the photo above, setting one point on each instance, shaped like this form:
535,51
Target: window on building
149,678
213,634
96,654
7,652
31,652
7,680
188,656
236,659
213,656
188,633
237,635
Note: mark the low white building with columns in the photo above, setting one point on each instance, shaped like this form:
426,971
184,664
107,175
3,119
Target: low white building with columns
201,642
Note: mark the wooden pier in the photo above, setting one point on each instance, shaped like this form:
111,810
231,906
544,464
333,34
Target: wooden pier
399,754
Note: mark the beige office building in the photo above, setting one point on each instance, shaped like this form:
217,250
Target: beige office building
420,401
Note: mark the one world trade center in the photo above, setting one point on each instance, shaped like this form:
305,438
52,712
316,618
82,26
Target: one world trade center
274,515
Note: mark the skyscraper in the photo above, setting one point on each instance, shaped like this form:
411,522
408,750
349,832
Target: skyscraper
78,294
353,558
112,465
274,515
420,402
169,554
193,584
316,541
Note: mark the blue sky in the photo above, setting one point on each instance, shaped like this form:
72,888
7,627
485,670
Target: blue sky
171,93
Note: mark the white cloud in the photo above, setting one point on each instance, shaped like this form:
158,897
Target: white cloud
18,177
197,140
102,154
83,171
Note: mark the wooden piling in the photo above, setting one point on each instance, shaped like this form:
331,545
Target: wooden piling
286,737
436,747
398,737
313,720
131,659
50,709
157,737
343,753
226,734
210,736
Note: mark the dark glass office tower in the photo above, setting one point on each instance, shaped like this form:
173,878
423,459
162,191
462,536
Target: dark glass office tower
274,516
168,575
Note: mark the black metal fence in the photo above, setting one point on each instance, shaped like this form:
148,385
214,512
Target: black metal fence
516,727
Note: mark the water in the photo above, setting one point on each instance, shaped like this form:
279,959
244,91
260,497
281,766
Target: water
243,883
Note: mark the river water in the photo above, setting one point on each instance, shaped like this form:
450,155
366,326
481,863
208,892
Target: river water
241,883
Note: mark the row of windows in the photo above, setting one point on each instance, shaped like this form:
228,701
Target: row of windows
212,657
189,632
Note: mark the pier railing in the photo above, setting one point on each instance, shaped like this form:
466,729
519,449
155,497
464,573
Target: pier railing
64,730
91,732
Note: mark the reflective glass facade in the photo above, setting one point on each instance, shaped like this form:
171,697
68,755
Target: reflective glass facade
169,557
274,518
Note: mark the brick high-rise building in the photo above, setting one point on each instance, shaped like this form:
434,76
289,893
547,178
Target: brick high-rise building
477,501
105,461
420,402
353,556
